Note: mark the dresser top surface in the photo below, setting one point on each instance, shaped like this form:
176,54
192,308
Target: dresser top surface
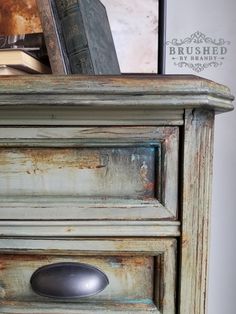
151,91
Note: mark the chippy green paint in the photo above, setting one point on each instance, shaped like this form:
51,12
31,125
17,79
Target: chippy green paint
147,141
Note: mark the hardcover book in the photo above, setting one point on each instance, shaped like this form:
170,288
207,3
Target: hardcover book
53,37
33,44
6,70
87,35
21,60
33,40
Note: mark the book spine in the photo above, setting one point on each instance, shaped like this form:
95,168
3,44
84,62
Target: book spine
54,42
75,37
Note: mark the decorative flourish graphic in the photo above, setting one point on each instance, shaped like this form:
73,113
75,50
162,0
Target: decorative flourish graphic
198,51
198,67
198,38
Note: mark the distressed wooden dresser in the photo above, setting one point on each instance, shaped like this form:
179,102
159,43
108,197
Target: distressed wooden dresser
111,172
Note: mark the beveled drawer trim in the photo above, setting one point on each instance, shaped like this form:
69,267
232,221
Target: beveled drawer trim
89,228
71,116
37,136
163,142
62,308
66,208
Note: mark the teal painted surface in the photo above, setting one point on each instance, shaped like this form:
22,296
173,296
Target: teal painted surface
50,113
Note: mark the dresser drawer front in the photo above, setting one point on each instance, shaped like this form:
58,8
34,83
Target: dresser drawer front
141,274
115,172
130,278
128,173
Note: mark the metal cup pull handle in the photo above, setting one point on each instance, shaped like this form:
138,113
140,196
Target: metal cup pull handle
68,280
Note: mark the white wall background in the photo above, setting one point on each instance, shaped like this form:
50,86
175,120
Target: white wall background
216,18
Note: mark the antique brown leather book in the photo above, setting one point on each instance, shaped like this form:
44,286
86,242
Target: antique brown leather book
52,33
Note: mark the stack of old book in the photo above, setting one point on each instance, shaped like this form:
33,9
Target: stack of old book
23,54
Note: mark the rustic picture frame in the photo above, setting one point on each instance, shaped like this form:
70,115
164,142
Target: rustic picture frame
149,61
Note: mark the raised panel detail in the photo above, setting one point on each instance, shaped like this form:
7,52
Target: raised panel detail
125,172
100,174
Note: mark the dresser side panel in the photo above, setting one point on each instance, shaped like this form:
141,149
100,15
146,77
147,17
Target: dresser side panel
196,202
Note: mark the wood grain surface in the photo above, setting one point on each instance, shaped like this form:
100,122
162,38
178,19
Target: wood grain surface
196,202
72,122
142,274
127,173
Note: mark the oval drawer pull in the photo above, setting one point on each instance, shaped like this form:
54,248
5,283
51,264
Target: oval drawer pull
68,280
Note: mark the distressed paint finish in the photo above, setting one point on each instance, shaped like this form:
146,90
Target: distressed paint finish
141,273
196,201
99,173
92,114
156,91
67,229
125,276
106,100
79,172
62,308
